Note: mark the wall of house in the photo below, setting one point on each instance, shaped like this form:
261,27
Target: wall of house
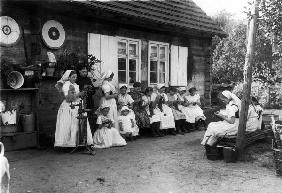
31,50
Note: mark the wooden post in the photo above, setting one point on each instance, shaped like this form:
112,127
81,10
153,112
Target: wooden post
240,141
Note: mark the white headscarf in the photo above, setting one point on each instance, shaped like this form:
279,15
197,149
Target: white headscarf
107,74
232,97
182,88
159,86
63,79
121,85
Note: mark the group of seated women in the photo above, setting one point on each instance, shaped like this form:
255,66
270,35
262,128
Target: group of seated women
123,115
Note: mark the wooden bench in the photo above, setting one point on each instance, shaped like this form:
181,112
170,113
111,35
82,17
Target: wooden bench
251,137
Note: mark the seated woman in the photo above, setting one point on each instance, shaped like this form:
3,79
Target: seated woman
139,107
230,119
193,112
174,101
127,125
67,125
167,118
106,135
152,112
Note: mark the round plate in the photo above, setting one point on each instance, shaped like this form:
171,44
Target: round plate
10,32
53,34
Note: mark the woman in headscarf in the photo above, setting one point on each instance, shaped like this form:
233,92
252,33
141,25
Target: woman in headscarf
193,112
167,118
67,125
140,107
109,96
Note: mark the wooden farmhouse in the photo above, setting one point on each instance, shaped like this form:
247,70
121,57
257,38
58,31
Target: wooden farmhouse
152,42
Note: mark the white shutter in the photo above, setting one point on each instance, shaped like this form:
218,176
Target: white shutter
178,66
104,48
174,65
182,66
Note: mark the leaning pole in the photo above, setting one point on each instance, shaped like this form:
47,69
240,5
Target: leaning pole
249,59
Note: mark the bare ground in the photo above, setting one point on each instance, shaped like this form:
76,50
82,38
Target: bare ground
172,164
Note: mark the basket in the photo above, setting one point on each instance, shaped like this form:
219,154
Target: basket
15,79
277,158
214,152
7,129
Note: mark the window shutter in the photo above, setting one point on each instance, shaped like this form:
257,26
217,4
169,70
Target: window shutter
178,66
104,48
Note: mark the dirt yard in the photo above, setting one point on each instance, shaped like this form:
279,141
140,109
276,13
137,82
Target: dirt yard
173,164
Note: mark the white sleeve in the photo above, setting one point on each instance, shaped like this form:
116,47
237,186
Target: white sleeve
106,88
165,97
231,111
99,120
66,88
130,99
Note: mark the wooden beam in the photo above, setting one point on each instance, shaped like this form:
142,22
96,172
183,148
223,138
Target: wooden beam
240,141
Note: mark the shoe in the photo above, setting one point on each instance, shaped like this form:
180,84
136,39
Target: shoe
173,132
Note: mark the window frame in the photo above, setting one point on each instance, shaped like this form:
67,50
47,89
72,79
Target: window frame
128,57
166,60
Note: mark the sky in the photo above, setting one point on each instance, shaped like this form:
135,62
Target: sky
235,7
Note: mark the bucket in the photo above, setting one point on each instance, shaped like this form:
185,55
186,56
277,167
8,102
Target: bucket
214,152
229,154
9,117
27,122
15,79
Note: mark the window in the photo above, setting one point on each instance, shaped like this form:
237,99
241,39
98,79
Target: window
128,60
158,63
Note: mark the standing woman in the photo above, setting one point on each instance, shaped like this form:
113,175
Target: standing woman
67,125
109,96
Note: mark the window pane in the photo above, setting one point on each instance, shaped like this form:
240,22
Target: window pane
132,77
162,53
162,78
162,67
154,52
132,65
122,48
153,65
153,77
121,64
122,76
133,49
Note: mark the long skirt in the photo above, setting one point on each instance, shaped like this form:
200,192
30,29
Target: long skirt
167,118
142,118
67,127
107,137
193,113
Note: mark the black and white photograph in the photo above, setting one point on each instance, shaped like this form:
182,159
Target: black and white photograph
140,96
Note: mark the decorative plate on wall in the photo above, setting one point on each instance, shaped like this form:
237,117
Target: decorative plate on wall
10,32
53,34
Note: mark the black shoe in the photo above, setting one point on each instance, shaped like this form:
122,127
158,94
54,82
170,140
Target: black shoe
172,132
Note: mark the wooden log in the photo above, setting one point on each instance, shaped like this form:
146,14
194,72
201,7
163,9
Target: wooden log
240,142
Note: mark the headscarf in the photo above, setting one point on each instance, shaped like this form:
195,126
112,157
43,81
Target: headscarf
63,79
232,97
107,74
159,86
99,110
122,85
182,88
124,108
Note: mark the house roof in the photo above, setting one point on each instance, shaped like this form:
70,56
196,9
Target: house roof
183,14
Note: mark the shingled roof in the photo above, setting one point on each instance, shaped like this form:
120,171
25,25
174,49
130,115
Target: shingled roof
179,13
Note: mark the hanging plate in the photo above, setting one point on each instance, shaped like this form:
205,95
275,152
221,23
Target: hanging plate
10,31
53,34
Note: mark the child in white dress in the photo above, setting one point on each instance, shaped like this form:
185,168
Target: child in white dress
106,135
127,126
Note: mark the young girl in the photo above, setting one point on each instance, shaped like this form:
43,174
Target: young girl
127,125
174,102
106,135
193,112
